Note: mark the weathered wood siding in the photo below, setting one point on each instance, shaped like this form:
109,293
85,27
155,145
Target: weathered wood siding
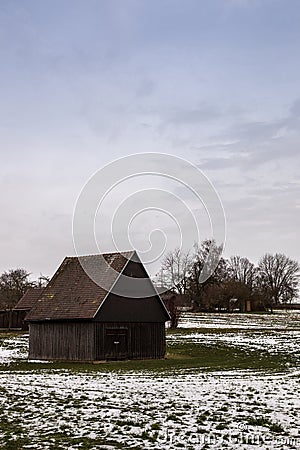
13,319
93,341
144,340
61,341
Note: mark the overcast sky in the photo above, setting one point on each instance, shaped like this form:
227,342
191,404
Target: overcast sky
84,82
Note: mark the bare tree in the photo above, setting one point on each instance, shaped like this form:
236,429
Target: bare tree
242,270
205,253
278,277
42,281
175,270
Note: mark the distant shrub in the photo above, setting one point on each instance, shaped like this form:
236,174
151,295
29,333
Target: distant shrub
265,422
276,428
258,421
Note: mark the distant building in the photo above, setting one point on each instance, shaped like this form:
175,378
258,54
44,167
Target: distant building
25,304
76,319
14,319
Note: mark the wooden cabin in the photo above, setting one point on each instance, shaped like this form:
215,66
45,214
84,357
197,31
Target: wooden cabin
14,319
76,319
25,304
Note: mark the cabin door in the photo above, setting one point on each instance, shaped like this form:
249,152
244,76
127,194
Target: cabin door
116,343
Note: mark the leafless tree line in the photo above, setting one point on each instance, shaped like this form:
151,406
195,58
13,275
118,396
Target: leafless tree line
274,280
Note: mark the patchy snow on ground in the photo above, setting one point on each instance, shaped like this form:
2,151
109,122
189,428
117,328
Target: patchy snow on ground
277,320
279,341
13,348
140,410
56,408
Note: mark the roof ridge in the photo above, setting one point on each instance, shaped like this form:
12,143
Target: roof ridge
101,254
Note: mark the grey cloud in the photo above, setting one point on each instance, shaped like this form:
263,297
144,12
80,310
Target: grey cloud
194,116
295,108
260,131
250,160
256,143
145,89
216,163
270,208
254,131
273,152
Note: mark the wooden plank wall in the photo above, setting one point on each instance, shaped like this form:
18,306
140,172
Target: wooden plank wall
13,319
145,340
61,341
85,341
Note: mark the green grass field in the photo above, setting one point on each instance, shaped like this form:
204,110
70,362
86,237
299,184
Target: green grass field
183,354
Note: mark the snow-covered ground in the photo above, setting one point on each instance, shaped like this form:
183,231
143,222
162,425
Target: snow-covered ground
277,320
141,410
52,408
13,349
272,341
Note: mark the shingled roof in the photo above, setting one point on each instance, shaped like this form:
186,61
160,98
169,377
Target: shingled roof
29,299
72,294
